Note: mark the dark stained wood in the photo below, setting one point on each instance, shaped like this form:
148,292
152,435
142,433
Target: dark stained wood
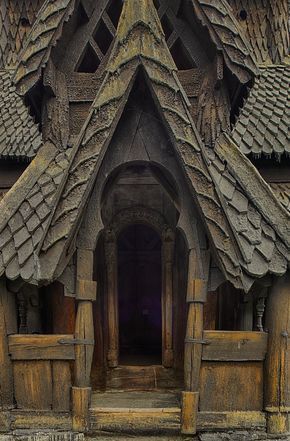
41,347
6,381
61,386
277,392
234,346
33,384
62,310
231,386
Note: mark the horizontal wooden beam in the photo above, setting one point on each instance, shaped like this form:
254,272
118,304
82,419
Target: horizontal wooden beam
28,420
230,420
41,347
234,346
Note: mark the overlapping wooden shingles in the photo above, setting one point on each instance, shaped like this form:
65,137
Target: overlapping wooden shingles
19,134
228,37
139,41
263,126
25,212
282,191
261,225
44,34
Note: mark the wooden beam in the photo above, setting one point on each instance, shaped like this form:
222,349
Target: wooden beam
41,347
81,397
6,380
189,412
277,391
234,346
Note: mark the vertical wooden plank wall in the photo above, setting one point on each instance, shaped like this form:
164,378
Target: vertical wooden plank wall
277,390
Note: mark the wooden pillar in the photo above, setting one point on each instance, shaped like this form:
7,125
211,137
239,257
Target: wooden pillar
167,297
86,290
196,297
6,378
277,377
112,299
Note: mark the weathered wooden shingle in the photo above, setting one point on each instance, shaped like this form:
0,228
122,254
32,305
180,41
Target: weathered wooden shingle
282,191
19,134
16,19
228,37
263,126
44,34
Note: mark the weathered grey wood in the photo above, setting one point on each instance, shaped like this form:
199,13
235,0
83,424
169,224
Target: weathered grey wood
41,347
234,345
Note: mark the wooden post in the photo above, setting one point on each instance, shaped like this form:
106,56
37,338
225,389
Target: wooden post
196,297
6,379
86,290
277,390
112,299
167,297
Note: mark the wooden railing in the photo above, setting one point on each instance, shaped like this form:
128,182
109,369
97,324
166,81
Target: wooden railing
41,371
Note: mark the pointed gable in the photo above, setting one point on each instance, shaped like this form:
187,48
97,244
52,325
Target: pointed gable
140,44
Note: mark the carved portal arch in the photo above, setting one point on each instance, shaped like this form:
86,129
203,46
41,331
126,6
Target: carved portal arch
127,217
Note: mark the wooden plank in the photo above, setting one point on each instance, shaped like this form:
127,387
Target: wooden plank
136,421
41,347
230,420
33,384
234,346
231,386
84,352
61,386
189,412
6,381
81,397
27,420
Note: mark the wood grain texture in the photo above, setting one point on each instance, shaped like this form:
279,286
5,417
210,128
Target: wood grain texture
33,384
230,420
84,351
81,397
61,386
29,420
189,412
41,347
231,386
234,346
6,381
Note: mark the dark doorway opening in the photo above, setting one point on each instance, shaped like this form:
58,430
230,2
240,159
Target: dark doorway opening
139,291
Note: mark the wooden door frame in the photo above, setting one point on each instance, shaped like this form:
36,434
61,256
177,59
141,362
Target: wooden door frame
145,216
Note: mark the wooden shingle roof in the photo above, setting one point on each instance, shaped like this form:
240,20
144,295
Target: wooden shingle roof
19,134
248,227
263,126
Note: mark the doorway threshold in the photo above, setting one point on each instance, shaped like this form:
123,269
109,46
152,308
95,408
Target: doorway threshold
144,378
135,412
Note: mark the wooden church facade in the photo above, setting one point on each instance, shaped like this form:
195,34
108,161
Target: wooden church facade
144,220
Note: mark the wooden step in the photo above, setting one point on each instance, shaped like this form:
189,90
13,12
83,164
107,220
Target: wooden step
144,413
143,378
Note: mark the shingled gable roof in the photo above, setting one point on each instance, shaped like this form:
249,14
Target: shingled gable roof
19,134
263,126
45,32
47,29
41,223
228,37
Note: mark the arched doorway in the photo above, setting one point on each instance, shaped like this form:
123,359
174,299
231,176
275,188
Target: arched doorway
139,295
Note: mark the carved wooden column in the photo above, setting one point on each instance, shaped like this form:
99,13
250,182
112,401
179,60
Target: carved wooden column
277,390
167,297
86,290
196,297
112,299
